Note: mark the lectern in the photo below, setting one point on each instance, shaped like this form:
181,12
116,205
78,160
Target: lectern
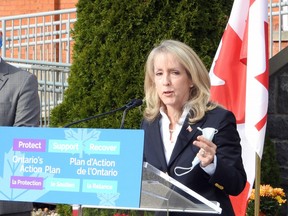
160,192
95,169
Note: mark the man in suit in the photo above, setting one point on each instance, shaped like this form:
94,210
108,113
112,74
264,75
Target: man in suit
19,106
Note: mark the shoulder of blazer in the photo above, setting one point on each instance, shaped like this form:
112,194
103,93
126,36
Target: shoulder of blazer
145,123
12,71
218,116
8,69
4,73
220,112
3,68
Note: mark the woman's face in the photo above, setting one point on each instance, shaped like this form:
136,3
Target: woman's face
171,80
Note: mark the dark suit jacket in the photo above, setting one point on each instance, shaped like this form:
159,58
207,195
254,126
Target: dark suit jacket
19,106
229,177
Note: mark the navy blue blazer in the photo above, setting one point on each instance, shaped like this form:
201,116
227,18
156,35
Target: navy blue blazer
229,177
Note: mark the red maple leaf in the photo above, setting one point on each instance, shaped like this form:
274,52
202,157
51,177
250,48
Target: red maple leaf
231,68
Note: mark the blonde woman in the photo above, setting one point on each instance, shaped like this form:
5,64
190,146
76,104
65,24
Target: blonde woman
177,111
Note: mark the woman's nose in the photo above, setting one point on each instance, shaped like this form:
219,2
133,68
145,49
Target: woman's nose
166,80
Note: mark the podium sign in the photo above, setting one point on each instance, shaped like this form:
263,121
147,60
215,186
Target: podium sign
71,165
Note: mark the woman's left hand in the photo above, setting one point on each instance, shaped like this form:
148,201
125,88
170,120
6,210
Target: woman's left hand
207,150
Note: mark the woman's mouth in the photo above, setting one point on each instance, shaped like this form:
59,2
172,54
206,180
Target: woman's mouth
168,93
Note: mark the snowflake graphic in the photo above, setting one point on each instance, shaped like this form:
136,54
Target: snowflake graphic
14,169
82,135
108,199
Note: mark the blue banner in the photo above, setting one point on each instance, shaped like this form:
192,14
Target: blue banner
100,167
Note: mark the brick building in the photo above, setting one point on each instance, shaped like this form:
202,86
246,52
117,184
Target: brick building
17,7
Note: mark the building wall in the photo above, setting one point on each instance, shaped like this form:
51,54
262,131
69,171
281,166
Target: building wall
39,29
17,7
279,31
277,124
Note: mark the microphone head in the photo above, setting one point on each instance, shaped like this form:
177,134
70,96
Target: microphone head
138,102
134,103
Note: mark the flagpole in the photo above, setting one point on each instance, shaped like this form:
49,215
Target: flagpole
257,184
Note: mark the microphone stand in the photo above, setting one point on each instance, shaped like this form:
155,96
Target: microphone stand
123,118
96,116
133,103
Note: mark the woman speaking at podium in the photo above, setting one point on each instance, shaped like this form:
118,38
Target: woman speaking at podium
177,122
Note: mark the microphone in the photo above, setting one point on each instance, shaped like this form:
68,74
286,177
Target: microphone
133,103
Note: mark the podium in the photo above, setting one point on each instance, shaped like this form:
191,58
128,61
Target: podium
93,172
160,192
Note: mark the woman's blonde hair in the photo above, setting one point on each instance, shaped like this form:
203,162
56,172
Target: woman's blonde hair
200,92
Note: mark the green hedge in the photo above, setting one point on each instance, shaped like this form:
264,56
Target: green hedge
270,170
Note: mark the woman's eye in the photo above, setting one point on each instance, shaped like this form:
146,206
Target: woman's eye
158,73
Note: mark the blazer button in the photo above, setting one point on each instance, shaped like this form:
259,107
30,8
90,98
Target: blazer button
219,186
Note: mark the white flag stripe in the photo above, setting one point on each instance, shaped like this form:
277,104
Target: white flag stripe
215,80
257,94
248,154
238,17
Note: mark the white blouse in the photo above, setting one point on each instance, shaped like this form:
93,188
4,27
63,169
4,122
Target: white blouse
169,144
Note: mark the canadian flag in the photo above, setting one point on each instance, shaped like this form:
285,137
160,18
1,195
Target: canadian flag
239,81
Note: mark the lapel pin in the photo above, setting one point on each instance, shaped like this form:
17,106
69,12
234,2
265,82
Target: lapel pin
189,128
